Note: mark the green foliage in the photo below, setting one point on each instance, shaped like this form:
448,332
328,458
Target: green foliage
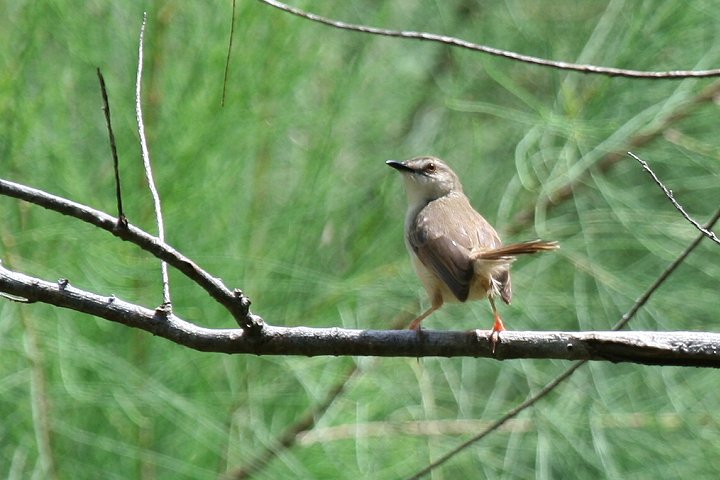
283,193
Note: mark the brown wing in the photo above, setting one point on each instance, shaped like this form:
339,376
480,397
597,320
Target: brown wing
442,255
470,229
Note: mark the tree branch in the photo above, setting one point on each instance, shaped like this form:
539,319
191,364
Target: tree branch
697,349
234,301
457,42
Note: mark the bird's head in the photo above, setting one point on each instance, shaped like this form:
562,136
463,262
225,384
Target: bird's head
426,179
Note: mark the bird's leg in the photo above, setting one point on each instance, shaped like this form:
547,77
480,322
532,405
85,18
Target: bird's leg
497,326
437,302
415,324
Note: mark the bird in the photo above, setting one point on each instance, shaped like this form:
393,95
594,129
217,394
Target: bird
456,253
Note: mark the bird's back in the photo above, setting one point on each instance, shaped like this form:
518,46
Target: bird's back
444,247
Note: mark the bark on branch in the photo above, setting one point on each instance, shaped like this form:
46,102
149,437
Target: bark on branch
233,300
698,349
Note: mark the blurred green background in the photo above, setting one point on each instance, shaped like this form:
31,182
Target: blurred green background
284,193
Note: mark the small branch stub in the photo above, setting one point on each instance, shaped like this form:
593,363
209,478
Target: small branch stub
122,223
164,310
252,324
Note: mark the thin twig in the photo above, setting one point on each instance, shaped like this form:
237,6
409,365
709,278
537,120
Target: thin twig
229,51
122,219
639,303
146,162
669,194
456,42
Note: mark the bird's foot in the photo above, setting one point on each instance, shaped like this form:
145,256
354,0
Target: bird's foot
420,335
415,324
494,337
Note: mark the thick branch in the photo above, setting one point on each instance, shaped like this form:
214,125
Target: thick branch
235,302
699,349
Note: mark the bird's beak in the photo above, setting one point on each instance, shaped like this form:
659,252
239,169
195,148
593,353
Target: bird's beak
400,166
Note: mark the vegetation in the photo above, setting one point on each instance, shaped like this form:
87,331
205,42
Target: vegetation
284,193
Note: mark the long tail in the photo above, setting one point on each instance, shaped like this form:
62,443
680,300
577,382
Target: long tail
502,253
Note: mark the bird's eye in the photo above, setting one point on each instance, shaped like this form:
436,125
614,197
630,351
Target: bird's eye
430,168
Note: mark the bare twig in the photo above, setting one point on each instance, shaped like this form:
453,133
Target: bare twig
122,219
234,301
229,51
639,303
669,194
456,42
148,167
698,349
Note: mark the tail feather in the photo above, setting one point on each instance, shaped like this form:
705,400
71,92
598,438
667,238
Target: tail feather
502,253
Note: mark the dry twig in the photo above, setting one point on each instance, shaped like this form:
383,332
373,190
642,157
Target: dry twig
122,219
148,167
229,51
669,194
457,42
